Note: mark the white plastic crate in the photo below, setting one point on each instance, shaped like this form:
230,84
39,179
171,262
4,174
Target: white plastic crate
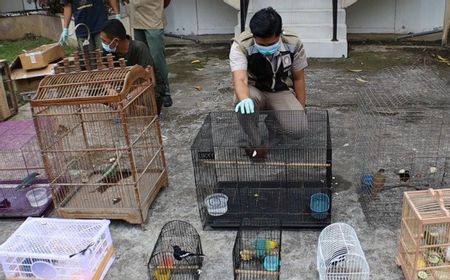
60,249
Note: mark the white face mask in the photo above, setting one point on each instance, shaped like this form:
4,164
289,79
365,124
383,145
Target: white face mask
108,48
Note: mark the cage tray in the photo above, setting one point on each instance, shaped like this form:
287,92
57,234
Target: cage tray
290,203
19,204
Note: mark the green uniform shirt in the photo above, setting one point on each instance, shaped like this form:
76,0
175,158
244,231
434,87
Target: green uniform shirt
138,53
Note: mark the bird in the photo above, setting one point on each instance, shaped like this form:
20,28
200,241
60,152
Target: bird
82,252
110,175
378,181
27,181
179,254
404,175
110,172
337,257
5,203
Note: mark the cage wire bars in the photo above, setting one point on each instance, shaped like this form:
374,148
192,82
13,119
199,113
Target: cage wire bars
177,253
339,254
403,140
291,183
100,137
257,250
24,188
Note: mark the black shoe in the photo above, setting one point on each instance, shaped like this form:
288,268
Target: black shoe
167,100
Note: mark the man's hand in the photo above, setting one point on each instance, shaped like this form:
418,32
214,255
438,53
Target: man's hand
64,37
246,106
299,86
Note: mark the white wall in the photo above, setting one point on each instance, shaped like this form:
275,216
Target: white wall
197,17
16,5
395,16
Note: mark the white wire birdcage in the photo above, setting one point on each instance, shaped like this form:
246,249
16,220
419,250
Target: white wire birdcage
44,248
339,254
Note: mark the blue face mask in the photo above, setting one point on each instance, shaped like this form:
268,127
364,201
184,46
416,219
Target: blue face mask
268,50
107,48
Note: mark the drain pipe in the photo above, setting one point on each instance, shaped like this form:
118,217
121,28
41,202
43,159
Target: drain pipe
182,37
418,34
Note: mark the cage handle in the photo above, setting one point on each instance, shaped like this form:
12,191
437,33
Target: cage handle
136,72
440,198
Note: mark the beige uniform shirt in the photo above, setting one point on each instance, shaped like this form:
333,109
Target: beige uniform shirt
238,60
147,14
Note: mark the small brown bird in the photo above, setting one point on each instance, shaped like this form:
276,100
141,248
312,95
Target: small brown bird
378,181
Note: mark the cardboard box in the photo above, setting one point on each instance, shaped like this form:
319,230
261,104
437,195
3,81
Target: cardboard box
26,81
41,57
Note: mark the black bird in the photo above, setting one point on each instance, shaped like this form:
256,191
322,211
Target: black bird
337,257
82,252
179,254
5,203
27,181
404,175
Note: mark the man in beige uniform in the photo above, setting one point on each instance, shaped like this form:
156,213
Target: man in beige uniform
148,21
268,74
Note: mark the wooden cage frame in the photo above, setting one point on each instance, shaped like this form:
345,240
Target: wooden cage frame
424,251
123,97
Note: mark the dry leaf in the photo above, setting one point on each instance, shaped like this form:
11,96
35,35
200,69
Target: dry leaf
443,61
441,58
355,70
199,88
195,61
361,80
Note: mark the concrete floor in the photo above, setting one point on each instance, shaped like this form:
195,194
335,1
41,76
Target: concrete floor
206,86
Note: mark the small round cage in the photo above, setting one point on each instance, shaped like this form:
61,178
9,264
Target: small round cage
340,255
177,253
257,250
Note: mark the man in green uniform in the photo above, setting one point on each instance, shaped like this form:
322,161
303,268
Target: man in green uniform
148,21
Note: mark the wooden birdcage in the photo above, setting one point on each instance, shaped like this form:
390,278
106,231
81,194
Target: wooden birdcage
425,235
100,137
8,100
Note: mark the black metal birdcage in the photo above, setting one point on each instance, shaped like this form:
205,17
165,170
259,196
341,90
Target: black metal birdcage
279,168
177,253
257,250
